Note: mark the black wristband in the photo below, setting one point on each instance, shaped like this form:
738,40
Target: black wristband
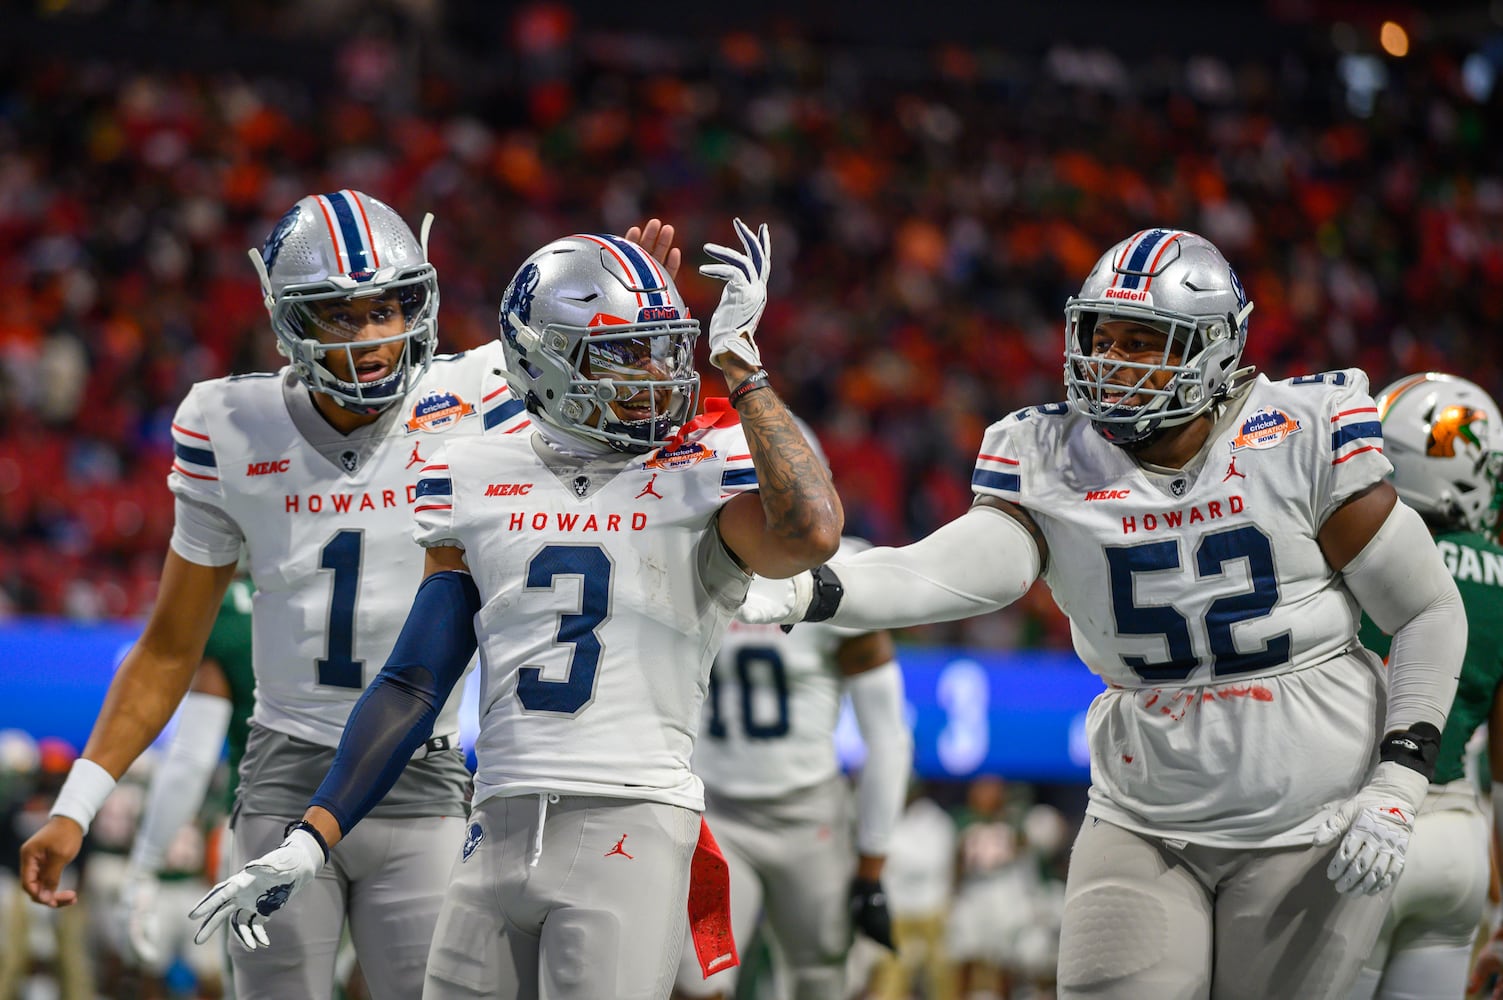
828,592
310,830
756,380
1417,748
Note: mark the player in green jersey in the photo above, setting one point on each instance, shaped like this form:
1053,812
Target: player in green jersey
1444,436
215,712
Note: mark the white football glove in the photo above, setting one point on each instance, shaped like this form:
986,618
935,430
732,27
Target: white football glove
247,898
1377,822
136,913
777,602
733,324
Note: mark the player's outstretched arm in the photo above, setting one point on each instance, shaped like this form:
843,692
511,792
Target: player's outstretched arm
1389,562
793,521
981,561
145,692
393,717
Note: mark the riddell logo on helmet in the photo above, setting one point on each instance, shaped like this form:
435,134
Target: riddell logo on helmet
1129,295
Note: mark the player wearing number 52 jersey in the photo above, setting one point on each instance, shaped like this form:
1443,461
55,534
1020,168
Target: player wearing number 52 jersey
314,470
1212,536
596,561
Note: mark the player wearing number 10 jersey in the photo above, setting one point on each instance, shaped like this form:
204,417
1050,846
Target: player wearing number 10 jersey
1212,536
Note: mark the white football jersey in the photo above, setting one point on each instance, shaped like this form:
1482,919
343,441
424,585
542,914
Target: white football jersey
1203,599
605,591
774,701
327,523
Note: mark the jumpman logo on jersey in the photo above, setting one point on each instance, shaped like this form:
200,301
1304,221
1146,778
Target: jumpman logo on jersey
618,849
1231,470
649,489
416,459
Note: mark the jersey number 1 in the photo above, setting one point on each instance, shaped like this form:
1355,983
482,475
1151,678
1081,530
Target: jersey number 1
338,667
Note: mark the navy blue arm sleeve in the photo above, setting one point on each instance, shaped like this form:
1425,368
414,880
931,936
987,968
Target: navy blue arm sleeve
396,713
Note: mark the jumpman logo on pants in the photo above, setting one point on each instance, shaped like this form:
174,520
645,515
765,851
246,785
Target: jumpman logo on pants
618,849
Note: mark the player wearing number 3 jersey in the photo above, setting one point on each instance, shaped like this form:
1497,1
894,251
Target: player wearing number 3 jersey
1213,537
312,470
596,605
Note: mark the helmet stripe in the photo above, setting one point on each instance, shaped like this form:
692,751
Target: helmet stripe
1137,260
370,237
335,233
639,266
1386,401
1117,264
1154,267
616,254
357,252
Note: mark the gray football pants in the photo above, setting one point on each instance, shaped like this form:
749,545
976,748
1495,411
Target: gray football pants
1145,919
387,878
580,900
791,859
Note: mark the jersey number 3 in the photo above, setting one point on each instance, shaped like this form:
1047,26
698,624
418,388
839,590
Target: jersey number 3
1212,555
576,629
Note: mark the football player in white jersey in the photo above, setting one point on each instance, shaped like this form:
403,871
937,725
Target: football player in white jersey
314,470
779,805
1212,536
596,563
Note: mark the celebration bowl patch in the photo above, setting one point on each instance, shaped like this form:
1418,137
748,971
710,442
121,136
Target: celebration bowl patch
438,411
1264,429
680,458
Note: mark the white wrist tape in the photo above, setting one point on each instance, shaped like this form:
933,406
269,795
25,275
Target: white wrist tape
87,787
877,699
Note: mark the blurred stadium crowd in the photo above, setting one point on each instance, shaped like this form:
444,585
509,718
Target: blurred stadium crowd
931,214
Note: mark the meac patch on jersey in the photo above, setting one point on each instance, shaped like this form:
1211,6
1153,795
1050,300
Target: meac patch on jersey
1207,573
327,523
605,590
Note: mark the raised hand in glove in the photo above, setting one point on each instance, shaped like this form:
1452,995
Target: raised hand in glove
869,911
733,325
247,898
1377,822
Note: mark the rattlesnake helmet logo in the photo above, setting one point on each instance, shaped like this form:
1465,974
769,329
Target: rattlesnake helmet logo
1455,423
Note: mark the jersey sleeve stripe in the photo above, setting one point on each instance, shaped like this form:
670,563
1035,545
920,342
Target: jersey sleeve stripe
1011,482
195,456
739,458
433,506
996,458
1348,413
739,477
1365,430
179,428
434,487
503,412
494,393
1354,454
513,430
191,475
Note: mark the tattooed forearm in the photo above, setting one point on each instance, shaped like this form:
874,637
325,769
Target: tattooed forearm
799,501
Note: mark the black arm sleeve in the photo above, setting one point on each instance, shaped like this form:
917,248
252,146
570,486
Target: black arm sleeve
396,713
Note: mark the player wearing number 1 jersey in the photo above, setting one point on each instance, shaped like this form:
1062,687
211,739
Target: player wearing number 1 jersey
314,470
1212,536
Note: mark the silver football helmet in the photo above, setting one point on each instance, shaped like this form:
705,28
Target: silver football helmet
347,248
1444,436
1173,281
599,342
